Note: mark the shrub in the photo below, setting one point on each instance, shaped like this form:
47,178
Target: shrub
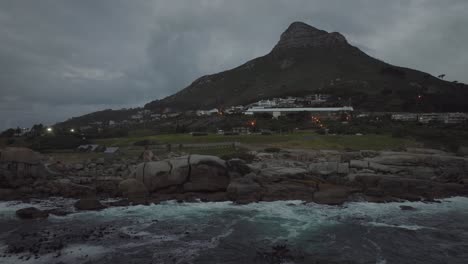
272,150
145,142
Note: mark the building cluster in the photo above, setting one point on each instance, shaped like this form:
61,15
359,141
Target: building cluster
292,102
425,118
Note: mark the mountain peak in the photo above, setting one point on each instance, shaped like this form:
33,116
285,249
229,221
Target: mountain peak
301,35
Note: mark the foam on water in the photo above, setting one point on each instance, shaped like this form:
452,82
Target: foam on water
76,253
275,221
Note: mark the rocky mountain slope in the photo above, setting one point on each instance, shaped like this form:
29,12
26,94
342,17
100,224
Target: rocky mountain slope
308,60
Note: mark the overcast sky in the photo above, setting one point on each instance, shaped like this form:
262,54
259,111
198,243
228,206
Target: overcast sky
60,59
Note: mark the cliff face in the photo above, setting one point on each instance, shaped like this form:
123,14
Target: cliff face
301,35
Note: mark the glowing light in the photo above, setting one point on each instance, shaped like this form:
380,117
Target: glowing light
72,130
49,129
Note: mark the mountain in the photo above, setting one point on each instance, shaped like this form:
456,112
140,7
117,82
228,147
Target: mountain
308,60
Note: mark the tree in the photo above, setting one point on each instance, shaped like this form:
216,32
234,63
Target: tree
442,76
8,133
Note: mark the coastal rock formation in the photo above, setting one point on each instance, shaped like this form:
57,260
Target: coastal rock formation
89,205
330,177
193,173
132,188
20,167
31,213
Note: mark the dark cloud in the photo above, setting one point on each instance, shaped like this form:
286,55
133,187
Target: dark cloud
60,59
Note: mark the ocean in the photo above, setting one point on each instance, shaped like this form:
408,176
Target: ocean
223,232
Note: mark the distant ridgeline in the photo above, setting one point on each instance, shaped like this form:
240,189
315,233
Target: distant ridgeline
305,61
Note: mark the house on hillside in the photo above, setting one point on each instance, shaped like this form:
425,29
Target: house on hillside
89,148
241,130
112,151
207,112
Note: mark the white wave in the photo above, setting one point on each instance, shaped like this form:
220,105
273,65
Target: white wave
77,253
407,227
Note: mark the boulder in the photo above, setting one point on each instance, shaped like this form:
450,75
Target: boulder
65,188
350,155
132,188
88,205
407,208
8,194
289,190
335,195
324,168
383,168
359,164
244,190
78,166
272,173
20,155
154,175
31,213
237,168
207,174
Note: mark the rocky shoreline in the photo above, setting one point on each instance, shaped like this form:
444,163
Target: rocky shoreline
324,177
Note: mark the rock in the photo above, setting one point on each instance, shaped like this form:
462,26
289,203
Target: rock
66,188
383,168
332,195
131,188
324,168
462,151
244,190
31,213
89,205
348,156
426,151
155,175
407,208
369,153
288,190
343,168
283,173
159,175
359,164
207,174
100,161
300,35
78,166
8,194
237,168
20,155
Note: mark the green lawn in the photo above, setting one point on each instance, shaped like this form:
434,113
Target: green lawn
305,140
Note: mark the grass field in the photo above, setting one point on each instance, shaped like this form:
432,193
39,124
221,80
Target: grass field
298,140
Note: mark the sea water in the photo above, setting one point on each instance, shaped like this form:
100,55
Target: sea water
266,232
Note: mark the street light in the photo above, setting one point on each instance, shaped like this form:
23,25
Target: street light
72,130
49,129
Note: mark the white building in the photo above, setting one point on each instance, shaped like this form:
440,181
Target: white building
277,112
207,112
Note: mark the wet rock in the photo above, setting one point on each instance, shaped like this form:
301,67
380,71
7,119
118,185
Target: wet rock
66,188
207,173
407,208
31,213
244,190
7,194
131,188
283,173
88,205
334,195
359,164
237,168
78,166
